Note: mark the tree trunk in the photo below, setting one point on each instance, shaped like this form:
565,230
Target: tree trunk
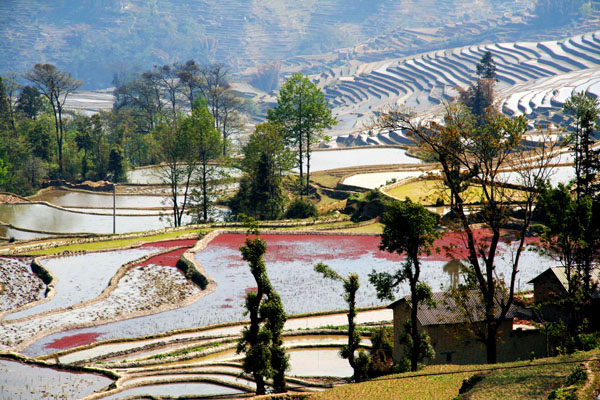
307,164
204,194
414,330
490,342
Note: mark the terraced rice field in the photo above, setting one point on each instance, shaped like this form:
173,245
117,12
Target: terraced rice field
89,291
289,260
22,381
41,220
534,77
19,286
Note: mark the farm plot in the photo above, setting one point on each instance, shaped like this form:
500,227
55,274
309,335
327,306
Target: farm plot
142,289
81,277
23,381
46,220
152,175
18,284
344,158
290,260
151,286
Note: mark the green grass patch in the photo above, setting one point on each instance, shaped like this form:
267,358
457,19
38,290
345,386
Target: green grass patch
183,352
325,180
375,228
529,380
118,243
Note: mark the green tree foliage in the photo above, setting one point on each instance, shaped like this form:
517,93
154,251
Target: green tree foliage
261,341
207,145
178,156
301,208
116,164
303,113
4,108
480,95
55,85
29,103
351,284
159,91
585,111
409,229
486,68
572,237
265,159
382,348
83,139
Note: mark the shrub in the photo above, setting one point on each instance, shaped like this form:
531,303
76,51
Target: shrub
301,208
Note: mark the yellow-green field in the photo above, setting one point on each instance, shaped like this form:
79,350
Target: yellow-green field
427,191
113,244
516,380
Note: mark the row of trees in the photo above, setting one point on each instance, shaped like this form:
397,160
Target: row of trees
40,141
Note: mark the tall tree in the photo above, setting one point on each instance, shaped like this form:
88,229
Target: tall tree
408,229
486,68
585,111
303,114
480,95
265,160
5,119
351,284
177,149
11,87
191,80
261,341
29,102
55,85
83,139
572,237
482,148
207,144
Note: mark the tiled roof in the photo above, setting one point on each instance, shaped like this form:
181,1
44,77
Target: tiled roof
561,275
447,312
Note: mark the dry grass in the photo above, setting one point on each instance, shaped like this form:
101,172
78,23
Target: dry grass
429,190
516,380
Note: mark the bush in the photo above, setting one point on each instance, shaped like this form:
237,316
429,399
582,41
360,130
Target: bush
301,208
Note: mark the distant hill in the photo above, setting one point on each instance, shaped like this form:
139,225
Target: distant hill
96,38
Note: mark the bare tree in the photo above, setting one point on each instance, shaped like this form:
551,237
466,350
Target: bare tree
55,85
484,153
11,86
191,80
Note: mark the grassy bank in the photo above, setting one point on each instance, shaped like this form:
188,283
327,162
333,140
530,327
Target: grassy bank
516,380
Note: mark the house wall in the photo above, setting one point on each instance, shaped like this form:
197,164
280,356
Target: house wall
547,288
454,344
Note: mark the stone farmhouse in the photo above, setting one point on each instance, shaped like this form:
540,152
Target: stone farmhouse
454,343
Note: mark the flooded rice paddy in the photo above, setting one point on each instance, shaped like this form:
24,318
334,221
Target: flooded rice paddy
344,158
176,389
30,382
43,218
290,260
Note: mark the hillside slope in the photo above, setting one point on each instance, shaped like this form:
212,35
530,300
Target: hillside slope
94,39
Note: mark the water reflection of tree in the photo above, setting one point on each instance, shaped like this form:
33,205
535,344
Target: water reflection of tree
453,268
